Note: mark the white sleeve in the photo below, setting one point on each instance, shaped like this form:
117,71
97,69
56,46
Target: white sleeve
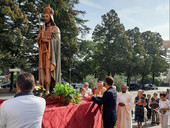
90,91
3,118
168,104
118,98
129,104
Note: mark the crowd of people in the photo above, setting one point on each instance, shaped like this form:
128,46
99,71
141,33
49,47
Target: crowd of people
152,108
26,110
147,107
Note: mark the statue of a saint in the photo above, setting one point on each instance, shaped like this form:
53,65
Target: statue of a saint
49,52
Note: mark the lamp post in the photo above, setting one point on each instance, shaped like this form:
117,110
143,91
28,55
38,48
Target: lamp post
70,69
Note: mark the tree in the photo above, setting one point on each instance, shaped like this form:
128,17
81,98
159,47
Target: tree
119,81
113,50
136,62
14,47
84,64
154,51
91,80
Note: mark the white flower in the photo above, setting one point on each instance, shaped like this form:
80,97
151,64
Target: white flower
36,87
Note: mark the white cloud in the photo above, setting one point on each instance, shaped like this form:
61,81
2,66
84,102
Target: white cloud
133,10
163,29
162,9
127,13
91,4
87,36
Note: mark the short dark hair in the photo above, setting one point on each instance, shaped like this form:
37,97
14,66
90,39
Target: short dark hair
25,82
109,80
144,95
81,89
163,94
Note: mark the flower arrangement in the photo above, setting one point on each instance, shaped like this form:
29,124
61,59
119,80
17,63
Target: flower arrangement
66,92
38,90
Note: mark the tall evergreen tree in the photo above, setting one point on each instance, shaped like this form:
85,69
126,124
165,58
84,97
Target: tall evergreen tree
113,50
13,44
153,47
136,62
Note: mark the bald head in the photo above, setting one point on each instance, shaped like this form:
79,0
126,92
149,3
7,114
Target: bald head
123,88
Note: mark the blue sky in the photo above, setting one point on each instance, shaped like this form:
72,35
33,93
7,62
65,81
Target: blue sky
150,15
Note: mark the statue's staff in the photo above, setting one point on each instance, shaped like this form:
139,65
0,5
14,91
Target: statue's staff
41,79
39,17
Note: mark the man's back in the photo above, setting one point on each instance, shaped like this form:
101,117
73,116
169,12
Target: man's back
22,112
109,107
108,100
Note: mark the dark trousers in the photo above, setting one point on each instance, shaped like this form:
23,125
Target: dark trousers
108,124
155,116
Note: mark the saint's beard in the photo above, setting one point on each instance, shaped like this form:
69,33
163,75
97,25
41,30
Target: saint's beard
48,22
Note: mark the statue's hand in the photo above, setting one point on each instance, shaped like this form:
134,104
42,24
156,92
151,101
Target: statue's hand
45,40
39,36
38,39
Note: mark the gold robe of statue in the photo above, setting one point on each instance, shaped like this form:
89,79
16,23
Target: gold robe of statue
49,53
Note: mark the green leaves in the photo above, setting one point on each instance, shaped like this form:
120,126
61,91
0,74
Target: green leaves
112,46
116,51
68,92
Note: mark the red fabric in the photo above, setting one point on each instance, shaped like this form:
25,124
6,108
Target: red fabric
93,91
85,115
1,101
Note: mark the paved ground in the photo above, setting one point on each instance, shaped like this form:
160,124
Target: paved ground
4,94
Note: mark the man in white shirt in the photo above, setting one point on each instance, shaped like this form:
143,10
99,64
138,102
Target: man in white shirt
88,90
25,110
124,107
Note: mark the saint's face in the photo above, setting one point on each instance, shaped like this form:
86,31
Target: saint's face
47,18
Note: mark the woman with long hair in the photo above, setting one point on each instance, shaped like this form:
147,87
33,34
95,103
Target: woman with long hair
140,102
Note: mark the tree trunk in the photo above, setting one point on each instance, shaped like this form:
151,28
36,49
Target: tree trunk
128,80
143,79
12,79
108,73
153,78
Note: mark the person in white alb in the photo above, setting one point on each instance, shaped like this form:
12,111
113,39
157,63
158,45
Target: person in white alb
88,90
164,107
124,107
24,110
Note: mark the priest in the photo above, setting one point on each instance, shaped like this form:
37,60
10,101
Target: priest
124,107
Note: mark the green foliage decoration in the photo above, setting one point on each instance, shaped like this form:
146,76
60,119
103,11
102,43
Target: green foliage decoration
68,92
